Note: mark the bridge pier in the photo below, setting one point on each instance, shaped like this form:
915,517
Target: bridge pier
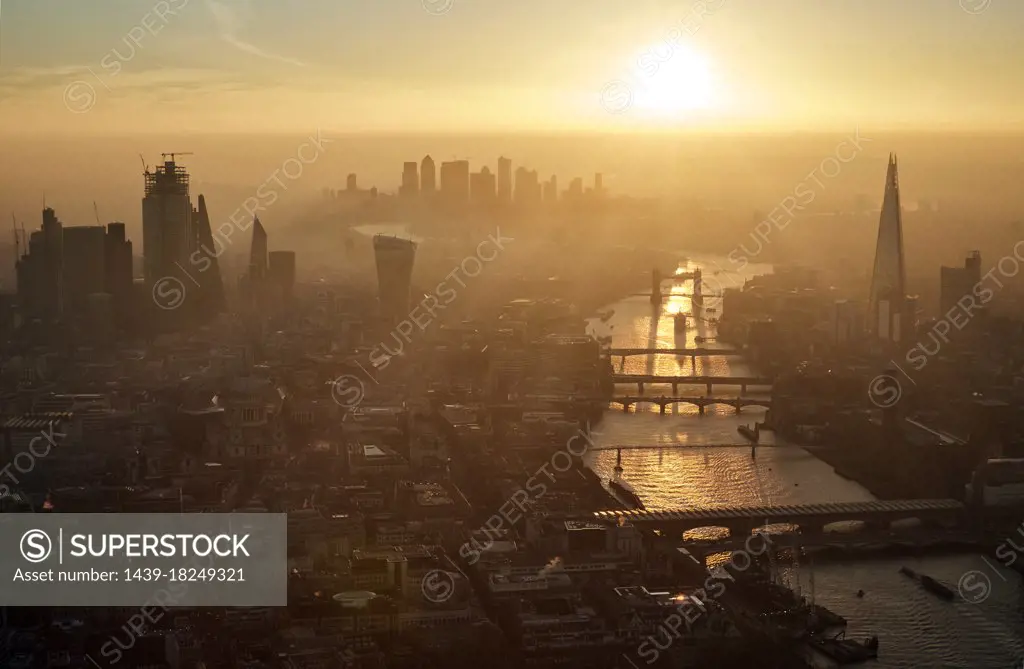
743,389
739,407
640,387
700,409
625,407
709,389
675,388
663,405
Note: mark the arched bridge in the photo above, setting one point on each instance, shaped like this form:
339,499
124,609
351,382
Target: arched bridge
810,518
700,402
708,381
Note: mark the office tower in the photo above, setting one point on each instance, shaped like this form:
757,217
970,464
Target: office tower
527,187
258,250
29,270
206,267
254,283
428,175
410,180
282,272
957,282
455,182
886,313
504,180
118,273
168,235
482,186
598,184
350,183
550,191
40,272
394,257
85,271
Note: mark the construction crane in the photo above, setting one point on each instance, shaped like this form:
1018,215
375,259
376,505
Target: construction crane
176,153
145,167
96,210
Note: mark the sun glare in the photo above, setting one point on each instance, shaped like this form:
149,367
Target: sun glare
673,79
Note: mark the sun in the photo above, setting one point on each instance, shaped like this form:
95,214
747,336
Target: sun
672,79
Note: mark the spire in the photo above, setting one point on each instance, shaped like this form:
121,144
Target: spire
212,287
888,280
258,250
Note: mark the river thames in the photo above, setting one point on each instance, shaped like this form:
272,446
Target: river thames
915,629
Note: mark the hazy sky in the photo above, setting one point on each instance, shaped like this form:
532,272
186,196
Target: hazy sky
351,65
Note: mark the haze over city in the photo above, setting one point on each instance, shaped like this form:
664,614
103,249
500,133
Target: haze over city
415,334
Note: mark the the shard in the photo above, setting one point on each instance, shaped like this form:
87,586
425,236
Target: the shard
888,319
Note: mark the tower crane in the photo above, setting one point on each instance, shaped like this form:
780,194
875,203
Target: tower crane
176,153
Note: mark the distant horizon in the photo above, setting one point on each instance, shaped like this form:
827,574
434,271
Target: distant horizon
967,132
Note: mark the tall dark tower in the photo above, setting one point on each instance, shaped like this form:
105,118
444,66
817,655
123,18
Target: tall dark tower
395,257
258,251
118,273
256,279
887,317
168,235
212,287
52,266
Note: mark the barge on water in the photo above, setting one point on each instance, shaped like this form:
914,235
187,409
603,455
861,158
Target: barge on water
938,589
625,492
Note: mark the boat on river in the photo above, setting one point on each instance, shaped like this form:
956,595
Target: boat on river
937,588
625,492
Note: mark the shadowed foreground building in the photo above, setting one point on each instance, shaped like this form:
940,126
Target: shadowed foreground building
394,257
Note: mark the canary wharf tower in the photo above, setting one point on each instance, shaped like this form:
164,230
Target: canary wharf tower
888,316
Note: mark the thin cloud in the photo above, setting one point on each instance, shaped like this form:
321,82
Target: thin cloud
229,22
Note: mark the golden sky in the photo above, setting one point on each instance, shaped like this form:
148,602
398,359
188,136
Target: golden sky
126,66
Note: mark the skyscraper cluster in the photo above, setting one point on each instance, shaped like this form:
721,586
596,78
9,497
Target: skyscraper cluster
78,276
454,185
271,275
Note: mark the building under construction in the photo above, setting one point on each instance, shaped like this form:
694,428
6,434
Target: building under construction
177,240
168,231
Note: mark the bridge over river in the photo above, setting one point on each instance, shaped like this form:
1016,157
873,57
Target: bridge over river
700,402
810,517
709,382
